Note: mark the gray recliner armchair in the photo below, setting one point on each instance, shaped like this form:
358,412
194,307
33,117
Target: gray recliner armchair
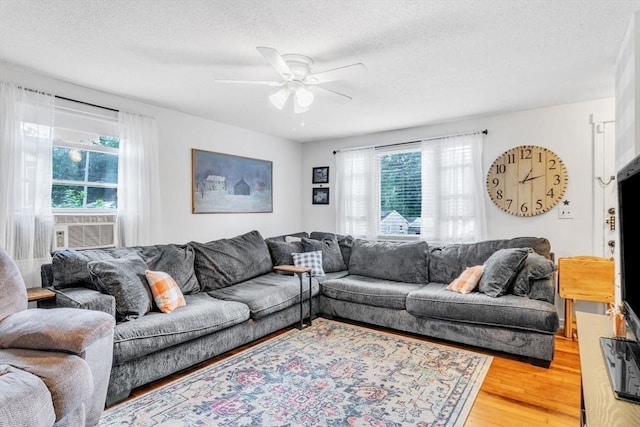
54,363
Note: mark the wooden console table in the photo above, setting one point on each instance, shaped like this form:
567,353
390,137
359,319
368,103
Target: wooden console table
600,408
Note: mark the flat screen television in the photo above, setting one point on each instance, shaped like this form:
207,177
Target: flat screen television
622,356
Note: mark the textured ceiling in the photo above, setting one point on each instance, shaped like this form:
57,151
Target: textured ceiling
427,61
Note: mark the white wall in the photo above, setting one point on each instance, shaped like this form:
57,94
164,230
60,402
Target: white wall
564,129
178,134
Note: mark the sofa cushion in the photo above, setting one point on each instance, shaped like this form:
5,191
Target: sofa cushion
69,266
166,292
535,267
67,377
124,278
467,281
155,331
331,256
500,270
175,260
434,301
369,291
25,400
224,262
281,251
397,261
447,262
312,260
345,243
268,293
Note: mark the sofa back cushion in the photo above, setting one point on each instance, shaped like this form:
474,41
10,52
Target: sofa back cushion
448,262
69,266
175,260
397,261
224,262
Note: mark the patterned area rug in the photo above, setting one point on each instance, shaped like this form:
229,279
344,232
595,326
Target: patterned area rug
331,374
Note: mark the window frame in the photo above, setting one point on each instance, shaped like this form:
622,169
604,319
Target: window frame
81,119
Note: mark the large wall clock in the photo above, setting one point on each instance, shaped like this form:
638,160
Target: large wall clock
527,180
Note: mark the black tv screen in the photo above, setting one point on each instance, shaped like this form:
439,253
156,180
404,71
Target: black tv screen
622,356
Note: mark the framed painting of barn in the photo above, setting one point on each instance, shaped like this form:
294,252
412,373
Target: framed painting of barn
224,183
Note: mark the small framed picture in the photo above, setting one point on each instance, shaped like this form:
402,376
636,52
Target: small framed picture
321,175
320,196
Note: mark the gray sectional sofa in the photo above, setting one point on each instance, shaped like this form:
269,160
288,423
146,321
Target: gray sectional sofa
233,296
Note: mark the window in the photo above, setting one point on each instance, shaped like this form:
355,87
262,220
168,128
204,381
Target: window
84,160
432,189
400,189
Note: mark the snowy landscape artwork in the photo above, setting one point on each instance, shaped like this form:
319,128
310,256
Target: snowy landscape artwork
223,183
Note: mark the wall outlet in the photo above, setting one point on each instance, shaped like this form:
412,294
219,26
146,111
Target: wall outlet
565,212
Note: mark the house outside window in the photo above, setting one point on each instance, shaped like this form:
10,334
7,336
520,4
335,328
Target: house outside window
400,188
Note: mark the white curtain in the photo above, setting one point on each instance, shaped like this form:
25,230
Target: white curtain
26,223
453,209
357,193
138,181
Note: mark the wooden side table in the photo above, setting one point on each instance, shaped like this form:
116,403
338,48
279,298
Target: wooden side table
299,271
39,294
585,278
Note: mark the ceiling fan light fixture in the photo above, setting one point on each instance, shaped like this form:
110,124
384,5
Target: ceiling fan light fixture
279,98
304,97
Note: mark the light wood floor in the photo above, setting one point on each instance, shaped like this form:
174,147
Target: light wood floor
514,393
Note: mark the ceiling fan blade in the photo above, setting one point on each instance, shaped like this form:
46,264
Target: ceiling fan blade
252,82
279,99
337,97
275,59
348,71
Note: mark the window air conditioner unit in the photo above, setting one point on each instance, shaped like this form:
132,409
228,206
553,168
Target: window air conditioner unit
84,232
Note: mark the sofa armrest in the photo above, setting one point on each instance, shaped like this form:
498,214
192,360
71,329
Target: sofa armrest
88,299
59,329
544,289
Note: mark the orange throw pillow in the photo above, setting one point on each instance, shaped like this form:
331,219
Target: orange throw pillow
166,292
468,280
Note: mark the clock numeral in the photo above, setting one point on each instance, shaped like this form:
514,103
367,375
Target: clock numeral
509,203
501,168
539,157
499,195
550,193
552,164
524,208
525,154
539,204
495,182
556,179
511,158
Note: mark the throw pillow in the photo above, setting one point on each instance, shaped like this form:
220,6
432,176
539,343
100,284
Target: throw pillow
535,267
468,280
123,278
313,260
166,292
281,251
500,270
332,259
292,239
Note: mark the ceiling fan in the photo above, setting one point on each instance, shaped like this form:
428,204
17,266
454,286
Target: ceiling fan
295,70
